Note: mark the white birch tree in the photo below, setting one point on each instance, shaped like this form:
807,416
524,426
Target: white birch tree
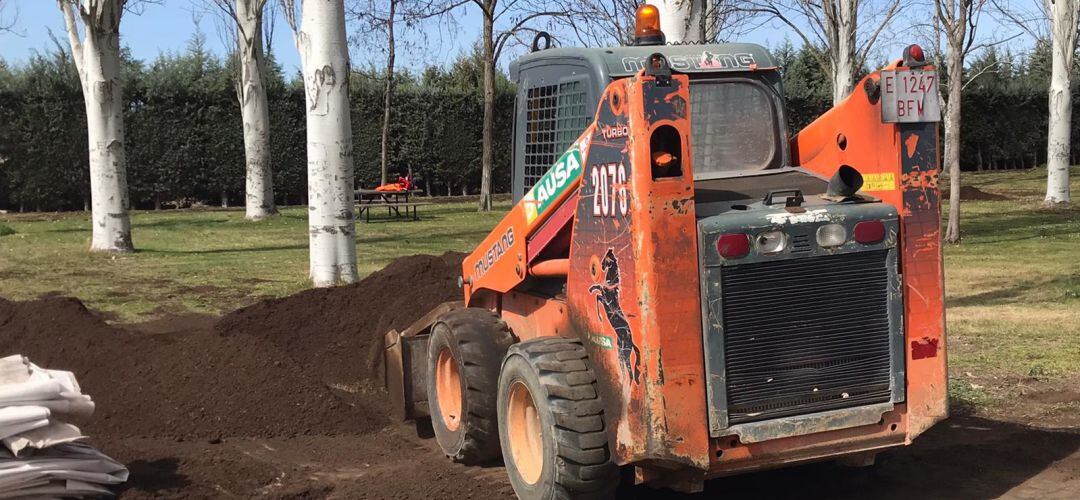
245,18
681,20
846,31
97,57
1064,16
601,23
320,38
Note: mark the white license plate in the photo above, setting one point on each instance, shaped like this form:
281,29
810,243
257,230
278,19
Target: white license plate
909,95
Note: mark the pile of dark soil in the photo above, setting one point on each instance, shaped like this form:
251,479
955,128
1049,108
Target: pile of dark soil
337,333
972,193
308,364
188,383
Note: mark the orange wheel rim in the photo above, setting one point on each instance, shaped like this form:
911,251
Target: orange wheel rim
448,389
525,434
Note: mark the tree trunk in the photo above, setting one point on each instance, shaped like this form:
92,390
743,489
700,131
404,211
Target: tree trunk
324,56
841,25
97,58
979,158
224,199
427,185
489,110
1063,26
682,21
387,95
255,111
952,137
102,91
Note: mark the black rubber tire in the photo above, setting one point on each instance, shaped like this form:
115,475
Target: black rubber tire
478,341
577,460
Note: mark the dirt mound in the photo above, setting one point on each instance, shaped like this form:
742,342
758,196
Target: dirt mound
337,333
309,364
187,383
972,193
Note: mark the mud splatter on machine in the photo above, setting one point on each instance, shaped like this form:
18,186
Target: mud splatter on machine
681,290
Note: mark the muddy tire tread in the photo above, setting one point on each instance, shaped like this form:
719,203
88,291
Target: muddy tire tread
583,459
482,340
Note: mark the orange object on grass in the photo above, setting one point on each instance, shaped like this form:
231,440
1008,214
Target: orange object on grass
402,184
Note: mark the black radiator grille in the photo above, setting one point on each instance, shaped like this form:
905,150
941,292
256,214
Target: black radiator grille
806,335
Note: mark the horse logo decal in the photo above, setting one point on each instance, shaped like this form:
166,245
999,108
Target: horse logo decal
606,290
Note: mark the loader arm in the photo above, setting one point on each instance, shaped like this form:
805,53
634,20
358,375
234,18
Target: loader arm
502,260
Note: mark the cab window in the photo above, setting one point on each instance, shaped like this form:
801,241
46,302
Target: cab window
734,127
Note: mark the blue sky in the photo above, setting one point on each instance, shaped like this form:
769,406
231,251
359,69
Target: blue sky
168,25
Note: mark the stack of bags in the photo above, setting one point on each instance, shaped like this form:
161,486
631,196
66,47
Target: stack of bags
42,456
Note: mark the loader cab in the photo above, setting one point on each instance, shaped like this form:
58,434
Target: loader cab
737,109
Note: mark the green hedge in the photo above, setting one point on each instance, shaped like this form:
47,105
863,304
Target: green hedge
185,145
184,134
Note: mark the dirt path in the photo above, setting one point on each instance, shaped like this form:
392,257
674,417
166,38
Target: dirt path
963,458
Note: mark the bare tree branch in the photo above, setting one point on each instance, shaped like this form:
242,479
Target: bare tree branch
73,33
7,26
845,31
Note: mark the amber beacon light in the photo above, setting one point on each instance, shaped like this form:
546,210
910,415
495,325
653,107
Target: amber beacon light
647,26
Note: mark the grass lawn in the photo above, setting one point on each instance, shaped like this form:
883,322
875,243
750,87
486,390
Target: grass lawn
1013,286
1013,297
207,261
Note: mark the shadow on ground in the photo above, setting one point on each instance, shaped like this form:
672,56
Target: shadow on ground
155,476
961,458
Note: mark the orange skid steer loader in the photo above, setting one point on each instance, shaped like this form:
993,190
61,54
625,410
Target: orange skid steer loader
685,292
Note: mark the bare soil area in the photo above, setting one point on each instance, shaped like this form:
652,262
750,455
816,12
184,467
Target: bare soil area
284,399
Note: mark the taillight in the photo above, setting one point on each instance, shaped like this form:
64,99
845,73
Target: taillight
869,231
733,246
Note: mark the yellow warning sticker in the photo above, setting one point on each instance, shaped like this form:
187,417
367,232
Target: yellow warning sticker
884,181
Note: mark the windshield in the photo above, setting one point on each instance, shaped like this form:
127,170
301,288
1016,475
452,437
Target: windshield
734,127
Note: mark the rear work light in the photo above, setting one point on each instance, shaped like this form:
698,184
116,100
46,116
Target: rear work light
733,246
772,241
869,232
831,235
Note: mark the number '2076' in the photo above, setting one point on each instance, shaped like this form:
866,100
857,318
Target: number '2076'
611,197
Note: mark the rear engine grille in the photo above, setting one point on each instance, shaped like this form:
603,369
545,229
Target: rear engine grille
806,335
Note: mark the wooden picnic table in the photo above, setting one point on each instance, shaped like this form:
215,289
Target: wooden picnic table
394,201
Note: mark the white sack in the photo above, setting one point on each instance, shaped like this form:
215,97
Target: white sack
53,434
